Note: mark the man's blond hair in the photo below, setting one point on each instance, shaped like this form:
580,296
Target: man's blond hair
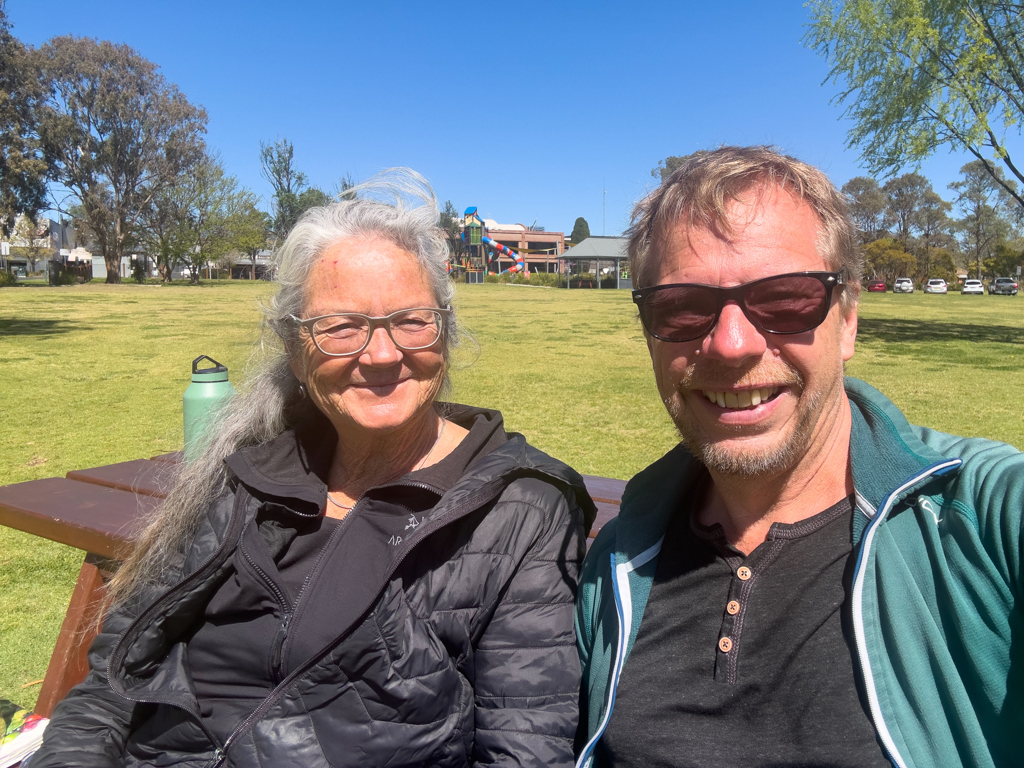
696,196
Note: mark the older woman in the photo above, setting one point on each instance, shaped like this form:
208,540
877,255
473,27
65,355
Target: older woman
353,574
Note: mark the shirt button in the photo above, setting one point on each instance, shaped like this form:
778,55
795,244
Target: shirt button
725,644
733,607
744,573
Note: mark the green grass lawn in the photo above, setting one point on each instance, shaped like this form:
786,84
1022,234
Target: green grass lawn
94,374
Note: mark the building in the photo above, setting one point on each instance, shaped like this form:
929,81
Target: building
260,268
30,248
539,248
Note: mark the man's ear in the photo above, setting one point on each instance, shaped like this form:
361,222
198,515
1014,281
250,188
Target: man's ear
848,337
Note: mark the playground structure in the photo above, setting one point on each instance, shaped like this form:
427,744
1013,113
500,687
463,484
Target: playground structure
483,250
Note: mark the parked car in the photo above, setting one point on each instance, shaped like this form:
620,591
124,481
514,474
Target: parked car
876,286
1005,286
973,287
903,285
935,285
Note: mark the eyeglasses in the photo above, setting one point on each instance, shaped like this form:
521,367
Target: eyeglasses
349,333
781,304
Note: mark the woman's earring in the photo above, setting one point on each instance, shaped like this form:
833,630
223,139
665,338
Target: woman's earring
302,390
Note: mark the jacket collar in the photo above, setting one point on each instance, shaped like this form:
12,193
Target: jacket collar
651,499
885,449
295,464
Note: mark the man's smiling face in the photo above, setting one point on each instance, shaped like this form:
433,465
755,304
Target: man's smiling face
780,393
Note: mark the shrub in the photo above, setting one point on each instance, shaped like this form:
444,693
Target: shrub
7,280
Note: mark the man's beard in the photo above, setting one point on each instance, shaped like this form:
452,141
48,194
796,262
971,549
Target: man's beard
724,458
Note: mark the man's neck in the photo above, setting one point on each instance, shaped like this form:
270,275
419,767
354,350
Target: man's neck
746,507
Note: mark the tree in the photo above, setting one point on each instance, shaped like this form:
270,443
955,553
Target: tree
918,75
668,166
248,225
341,191
943,265
448,222
904,196
580,231
31,241
867,207
23,167
214,204
886,259
118,134
164,232
292,195
200,218
1005,261
983,205
933,231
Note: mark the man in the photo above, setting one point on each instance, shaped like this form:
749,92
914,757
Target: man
807,579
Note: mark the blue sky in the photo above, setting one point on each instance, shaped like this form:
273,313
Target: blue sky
528,110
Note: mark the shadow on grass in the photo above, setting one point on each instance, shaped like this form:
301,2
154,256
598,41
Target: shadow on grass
927,331
17,326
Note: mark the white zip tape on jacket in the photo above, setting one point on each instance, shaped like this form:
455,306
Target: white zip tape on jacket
624,610
858,605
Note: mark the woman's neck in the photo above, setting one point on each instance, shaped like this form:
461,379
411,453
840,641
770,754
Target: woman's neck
361,461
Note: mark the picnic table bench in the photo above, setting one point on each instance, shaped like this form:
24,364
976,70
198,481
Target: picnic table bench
101,511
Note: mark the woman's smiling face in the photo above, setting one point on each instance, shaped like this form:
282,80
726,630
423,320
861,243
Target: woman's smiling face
383,388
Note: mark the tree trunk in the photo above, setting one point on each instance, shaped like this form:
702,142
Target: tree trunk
113,269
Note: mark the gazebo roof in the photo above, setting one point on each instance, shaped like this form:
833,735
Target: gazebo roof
597,248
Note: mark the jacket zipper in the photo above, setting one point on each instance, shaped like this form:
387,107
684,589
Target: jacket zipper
622,597
858,605
279,649
337,532
276,654
482,495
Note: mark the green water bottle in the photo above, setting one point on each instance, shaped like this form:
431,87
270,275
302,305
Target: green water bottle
209,390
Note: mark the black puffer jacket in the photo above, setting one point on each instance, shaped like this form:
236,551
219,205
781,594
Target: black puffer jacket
455,648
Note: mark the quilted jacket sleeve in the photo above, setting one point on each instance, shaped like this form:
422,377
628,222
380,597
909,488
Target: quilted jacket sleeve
90,726
527,670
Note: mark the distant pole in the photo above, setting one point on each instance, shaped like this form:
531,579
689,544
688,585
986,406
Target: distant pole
604,200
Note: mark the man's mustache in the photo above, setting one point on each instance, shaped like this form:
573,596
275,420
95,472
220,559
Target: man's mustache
715,376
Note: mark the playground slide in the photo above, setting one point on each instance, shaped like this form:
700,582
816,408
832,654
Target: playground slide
519,266
473,220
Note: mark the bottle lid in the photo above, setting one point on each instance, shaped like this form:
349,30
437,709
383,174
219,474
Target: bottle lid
218,372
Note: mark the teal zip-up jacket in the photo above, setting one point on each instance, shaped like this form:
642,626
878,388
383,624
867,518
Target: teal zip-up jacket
937,606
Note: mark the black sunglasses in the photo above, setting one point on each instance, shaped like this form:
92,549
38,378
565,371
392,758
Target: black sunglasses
780,304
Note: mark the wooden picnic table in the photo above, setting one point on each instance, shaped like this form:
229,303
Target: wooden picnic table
102,510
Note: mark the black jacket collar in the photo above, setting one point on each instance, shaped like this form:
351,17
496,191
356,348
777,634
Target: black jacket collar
294,465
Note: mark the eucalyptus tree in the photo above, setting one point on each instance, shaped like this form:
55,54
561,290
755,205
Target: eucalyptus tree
867,208
23,166
292,194
904,196
118,134
985,216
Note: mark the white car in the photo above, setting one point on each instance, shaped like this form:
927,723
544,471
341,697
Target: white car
903,285
973,287
935,285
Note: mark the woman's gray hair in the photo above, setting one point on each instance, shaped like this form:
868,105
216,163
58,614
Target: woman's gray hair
397,205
